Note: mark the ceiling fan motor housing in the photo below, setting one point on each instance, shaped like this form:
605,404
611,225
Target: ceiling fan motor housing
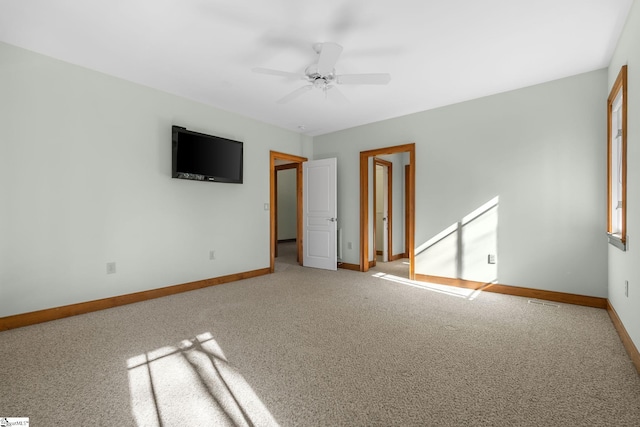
317,79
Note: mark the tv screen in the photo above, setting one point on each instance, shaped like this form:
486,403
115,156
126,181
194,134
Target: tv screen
201,157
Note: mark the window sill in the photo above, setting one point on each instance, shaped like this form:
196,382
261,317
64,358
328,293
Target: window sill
616,240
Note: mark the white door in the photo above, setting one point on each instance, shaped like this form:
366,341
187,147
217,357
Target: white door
379,198
385,210
382,211
320,214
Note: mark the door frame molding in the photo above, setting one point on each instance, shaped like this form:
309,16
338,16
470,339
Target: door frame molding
274,157
364,203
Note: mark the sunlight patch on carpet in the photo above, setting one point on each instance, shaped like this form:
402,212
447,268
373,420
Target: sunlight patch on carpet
469,294
192,384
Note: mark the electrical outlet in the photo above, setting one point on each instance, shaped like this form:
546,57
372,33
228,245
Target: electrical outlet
349,245
626,288
111,268
212,255
491,259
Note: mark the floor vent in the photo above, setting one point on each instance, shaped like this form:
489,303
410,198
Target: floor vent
548,304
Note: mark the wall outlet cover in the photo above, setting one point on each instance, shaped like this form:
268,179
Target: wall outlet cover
111,268
626,288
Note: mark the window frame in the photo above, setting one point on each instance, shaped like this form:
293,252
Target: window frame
618,240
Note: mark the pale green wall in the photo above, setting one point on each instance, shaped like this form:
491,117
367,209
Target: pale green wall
624,265
86,180
539,149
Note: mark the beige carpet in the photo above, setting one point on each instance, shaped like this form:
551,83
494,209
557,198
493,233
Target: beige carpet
315,348
399,268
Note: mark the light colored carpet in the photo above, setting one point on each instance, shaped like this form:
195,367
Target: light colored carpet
399,268
327,349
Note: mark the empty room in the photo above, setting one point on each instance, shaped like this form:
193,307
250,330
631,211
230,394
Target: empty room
354,213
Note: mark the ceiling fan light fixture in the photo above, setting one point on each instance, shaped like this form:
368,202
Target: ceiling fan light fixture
320,83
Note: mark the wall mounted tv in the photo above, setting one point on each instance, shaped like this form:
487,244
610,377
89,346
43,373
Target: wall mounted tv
202,157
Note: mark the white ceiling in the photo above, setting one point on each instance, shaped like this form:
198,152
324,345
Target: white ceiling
438,52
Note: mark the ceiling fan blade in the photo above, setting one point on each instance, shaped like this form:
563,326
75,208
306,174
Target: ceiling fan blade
328,57
364,79
335,95
278,73
296,93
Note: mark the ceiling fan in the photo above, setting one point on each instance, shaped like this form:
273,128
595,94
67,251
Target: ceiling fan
322,75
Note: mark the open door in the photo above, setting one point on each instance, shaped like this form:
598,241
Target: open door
382,196
320,222
386,215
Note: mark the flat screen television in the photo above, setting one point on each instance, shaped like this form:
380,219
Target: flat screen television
200,157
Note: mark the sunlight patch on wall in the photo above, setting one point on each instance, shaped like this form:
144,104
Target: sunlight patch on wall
463,249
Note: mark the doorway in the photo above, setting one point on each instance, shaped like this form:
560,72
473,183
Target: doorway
383,208
365,171
282,161
285,208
